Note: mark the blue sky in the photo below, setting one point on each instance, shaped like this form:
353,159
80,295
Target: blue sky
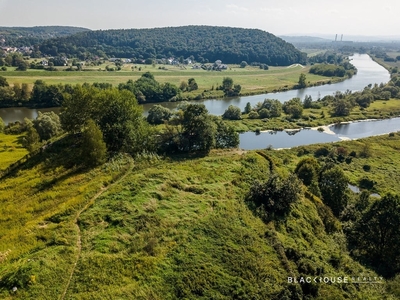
348,17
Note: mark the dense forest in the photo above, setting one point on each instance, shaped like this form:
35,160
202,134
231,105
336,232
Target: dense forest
29,36
203,43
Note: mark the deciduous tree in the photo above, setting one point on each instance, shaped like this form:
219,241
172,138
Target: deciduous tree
93,148
198,128
333,185
158,114
47,125
275,196
302,81
31,140
226,136
2,125
232,113
376,236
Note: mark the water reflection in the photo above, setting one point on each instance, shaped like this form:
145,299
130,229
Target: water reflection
280,139
294,138
363,129
20,113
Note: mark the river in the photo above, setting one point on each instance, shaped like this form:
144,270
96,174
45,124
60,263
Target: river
369,72
288,139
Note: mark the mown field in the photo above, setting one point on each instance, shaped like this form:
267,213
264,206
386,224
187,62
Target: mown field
174,228
252,79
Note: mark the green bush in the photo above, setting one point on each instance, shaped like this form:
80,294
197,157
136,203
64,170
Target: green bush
232,113
253,115
274,197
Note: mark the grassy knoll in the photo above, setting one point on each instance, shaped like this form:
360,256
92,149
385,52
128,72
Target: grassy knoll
174,228
11,150
252,79
379,109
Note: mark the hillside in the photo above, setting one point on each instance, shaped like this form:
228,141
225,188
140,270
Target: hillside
231,45
172,228
29,36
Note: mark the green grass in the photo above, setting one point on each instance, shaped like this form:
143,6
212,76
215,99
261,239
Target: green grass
11,150
252,79
38,202
382,159
174,228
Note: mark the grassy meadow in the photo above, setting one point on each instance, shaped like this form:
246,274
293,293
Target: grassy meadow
174,228
38,203
11,150
252,79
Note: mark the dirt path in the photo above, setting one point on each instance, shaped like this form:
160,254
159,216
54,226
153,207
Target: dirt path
78,230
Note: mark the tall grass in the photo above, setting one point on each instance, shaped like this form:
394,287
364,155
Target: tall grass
11,150
174,228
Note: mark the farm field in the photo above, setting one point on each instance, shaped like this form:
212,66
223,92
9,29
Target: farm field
252,79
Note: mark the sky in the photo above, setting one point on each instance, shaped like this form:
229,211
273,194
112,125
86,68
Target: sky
279,17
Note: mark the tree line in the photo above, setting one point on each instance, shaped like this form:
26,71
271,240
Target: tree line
146,89
341,103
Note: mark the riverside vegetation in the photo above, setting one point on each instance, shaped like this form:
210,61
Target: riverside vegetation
168,216
252,79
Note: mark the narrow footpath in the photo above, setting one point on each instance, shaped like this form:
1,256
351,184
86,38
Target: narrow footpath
78,230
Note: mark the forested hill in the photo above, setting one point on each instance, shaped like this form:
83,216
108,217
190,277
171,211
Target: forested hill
28,36
231,45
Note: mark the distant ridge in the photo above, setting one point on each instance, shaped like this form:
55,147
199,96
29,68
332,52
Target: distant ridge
28,36
203,43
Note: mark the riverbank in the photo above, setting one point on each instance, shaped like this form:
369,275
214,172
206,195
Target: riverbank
390,66
319,118
253,80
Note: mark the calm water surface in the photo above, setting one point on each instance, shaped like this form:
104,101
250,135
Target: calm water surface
369,72
289,139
